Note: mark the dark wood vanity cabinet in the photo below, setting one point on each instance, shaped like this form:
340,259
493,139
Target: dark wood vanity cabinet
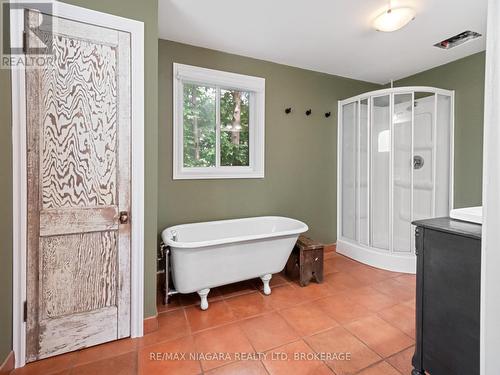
448,297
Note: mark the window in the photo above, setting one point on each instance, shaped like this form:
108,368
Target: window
218,124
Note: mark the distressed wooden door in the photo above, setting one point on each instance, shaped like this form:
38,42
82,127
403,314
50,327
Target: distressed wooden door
78,170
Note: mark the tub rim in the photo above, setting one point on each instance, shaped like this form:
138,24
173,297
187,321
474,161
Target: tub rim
226,240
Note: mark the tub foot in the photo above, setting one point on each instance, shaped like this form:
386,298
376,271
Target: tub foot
266,279
204,301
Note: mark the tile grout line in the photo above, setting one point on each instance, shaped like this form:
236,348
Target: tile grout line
373,350
314,351
253,347
375,364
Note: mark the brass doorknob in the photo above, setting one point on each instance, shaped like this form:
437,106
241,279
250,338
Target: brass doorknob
123,217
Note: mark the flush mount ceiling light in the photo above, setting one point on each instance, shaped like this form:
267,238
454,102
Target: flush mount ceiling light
394,19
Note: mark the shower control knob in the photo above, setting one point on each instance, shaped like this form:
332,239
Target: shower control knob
418,162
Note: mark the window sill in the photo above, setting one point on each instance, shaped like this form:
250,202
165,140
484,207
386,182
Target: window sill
219,173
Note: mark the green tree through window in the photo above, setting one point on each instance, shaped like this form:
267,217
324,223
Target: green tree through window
234,128
200,126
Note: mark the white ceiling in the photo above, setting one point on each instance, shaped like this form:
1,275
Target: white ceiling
331,36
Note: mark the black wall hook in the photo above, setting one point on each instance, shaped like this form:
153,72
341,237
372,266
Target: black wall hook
288,110
328,114
308,112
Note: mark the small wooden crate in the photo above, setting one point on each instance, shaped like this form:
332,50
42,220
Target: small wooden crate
306,261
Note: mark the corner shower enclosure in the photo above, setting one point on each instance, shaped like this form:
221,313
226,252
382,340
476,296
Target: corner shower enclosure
395,165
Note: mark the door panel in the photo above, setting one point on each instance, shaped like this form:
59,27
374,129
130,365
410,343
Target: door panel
86,219
78,128
87,257
65,335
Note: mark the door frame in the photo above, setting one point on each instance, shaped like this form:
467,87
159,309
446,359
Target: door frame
19,167
490,257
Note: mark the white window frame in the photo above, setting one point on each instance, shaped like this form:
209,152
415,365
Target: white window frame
221,80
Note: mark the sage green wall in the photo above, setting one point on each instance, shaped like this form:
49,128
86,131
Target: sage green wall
146,11
300,176
466,77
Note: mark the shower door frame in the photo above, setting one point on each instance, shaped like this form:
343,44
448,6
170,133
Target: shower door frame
381,258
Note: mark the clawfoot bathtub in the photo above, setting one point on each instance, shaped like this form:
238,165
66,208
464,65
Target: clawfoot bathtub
211,254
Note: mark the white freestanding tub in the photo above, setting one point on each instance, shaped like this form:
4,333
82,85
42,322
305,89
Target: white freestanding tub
215,253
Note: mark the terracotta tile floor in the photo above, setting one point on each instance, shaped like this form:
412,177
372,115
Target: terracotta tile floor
359,310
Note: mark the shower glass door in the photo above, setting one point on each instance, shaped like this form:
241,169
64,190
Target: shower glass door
424,156
380,146
402,177
364,172
349,169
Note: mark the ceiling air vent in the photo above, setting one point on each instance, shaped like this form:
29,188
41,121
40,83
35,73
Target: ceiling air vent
458,39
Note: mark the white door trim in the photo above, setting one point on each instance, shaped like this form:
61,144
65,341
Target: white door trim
19,191
490,256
